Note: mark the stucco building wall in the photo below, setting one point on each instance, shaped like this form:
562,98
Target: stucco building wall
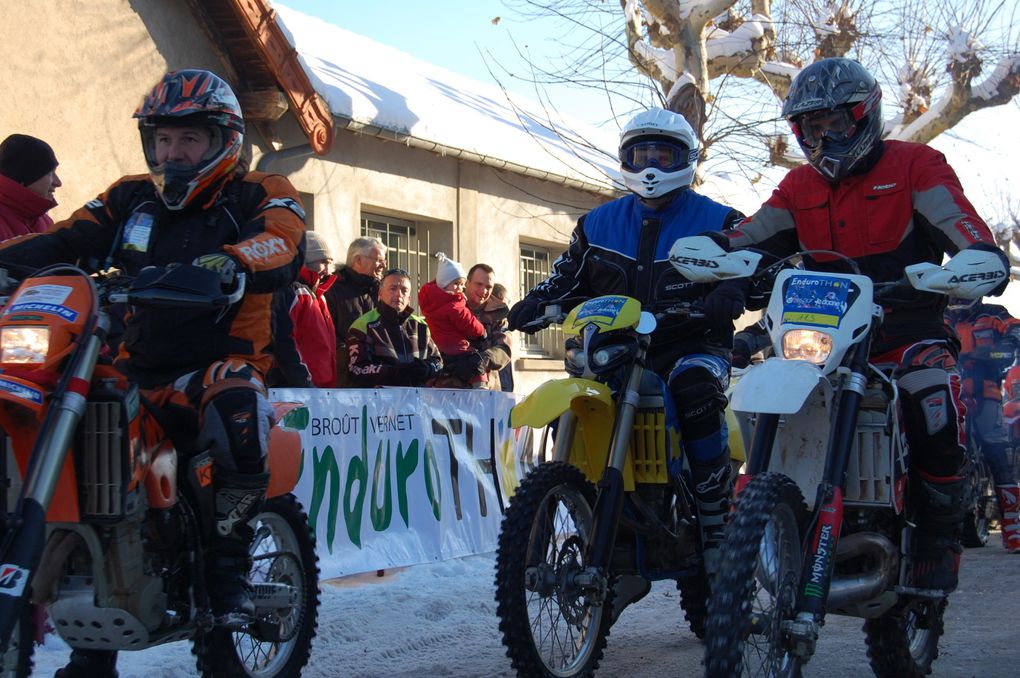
74,72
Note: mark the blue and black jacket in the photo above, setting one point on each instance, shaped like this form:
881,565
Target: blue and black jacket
622,247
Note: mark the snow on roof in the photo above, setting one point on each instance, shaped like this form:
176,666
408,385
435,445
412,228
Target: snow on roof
381,87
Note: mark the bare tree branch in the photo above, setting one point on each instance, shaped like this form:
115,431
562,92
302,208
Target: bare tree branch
726,65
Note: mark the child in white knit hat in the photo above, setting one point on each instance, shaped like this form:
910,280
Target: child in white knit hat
451,323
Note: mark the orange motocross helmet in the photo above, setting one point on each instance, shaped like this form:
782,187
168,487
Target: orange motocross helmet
186,98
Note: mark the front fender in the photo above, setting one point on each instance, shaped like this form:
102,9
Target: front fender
777,386
553,398
592,403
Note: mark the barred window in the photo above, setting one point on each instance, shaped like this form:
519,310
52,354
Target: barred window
536,264
408,246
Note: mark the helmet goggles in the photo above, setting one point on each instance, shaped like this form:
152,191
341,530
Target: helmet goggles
835,125
663,154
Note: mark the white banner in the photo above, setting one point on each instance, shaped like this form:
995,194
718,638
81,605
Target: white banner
400,476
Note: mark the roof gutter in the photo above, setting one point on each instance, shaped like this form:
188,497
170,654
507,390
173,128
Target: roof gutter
487,160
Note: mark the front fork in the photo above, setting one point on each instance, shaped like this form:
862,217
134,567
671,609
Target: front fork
609,505
24,539
819,552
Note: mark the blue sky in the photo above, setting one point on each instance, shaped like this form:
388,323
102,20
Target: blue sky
448,33
455,34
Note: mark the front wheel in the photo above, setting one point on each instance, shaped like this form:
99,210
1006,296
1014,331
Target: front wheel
979,509
905,642
277,644
554,616
756,592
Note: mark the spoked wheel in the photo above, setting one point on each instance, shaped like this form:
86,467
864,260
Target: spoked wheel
694,601
279,642
905,642
754,595
554,616
980,508
17,659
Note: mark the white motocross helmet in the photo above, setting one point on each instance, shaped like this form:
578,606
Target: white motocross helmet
658,153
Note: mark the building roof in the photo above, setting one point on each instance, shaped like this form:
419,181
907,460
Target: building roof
376,89
264,64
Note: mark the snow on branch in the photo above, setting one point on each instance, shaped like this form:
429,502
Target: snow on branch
961,99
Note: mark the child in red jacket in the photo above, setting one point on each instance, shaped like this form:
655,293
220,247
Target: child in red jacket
452,325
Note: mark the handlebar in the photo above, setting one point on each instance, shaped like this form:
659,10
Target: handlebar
554,313
180,286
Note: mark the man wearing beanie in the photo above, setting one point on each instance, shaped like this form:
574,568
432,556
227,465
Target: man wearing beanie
304,341
28,177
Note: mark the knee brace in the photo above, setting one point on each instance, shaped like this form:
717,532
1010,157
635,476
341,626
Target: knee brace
235,429
699,401
931,416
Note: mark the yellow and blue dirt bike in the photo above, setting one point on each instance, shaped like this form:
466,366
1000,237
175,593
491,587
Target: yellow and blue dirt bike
587,532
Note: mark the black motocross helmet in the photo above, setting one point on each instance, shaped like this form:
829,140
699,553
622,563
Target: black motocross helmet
835,110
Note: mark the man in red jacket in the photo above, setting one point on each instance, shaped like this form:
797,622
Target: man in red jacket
884,204
28,178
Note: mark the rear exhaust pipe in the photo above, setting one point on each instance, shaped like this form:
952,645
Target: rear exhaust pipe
856,588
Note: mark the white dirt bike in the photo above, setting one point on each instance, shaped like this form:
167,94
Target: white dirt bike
824,517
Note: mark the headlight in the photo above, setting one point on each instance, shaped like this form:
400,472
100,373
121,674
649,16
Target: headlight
26,345
574,361
810,345
606,355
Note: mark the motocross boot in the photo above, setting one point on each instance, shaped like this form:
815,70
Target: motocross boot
90,664
937,537
239,498
1009,507
713,488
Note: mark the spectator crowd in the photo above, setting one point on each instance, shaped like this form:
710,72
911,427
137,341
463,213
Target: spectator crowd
355,326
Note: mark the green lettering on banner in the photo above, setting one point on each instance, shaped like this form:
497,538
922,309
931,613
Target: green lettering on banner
324,468
433,488
357,472
406,464
381,515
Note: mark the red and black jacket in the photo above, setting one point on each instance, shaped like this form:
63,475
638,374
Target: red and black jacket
908,208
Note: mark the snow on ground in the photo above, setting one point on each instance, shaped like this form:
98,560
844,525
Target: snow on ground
440,620
429,620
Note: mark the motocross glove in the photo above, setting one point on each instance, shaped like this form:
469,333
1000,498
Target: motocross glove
725,304
741,354
522,313
222,263
719,239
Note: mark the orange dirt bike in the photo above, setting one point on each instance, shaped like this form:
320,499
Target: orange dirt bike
101,520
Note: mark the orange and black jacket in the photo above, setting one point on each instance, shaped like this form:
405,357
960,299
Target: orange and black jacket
258,219
906,209
989,335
